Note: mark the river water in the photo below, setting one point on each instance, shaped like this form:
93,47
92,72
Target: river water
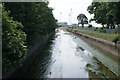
67,56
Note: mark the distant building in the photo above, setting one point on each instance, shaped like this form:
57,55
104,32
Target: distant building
74,24
62,24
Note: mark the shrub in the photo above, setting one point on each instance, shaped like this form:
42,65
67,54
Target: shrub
13,42
102,30
89,26
115,39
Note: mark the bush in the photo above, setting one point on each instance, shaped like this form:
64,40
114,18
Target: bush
115,39
13,42
115,32
37,19
96,29
102,30
90,26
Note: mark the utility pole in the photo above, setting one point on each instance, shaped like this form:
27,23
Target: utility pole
60,16
69,19
71,16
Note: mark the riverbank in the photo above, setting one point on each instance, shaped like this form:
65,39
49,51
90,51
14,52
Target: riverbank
103,44
33,52
98,34
68,56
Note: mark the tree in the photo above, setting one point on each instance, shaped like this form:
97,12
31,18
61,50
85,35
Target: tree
113,14
14,46
82,19
37,18
23,23
105,13
97,9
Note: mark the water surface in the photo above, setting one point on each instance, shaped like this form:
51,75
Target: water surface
67,56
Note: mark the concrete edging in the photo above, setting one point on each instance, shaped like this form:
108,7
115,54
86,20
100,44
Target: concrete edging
103,44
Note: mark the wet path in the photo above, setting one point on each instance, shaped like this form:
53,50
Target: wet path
68,56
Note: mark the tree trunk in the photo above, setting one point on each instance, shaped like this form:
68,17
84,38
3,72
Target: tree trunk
82,25
108,26
103,26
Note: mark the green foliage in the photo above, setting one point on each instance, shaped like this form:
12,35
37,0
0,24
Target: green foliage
13,42
23,23
37,18
115,39
106,36
102,30
96,29
105,13
115,32
89,26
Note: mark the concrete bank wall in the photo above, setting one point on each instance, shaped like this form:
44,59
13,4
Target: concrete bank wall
108,46
118,50
33,52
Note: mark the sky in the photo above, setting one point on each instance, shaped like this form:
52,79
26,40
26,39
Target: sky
68,10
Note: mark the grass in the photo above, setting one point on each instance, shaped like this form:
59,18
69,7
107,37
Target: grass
106,36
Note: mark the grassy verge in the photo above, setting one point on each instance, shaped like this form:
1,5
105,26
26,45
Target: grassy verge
111,37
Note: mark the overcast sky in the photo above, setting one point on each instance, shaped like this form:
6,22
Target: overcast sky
65,6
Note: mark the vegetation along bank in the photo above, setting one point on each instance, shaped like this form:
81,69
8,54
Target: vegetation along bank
25,25
103,41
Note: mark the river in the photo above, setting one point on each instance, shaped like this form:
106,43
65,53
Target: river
68,56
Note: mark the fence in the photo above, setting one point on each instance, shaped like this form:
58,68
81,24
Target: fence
110,31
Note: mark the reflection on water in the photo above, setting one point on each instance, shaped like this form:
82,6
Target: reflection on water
67,56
